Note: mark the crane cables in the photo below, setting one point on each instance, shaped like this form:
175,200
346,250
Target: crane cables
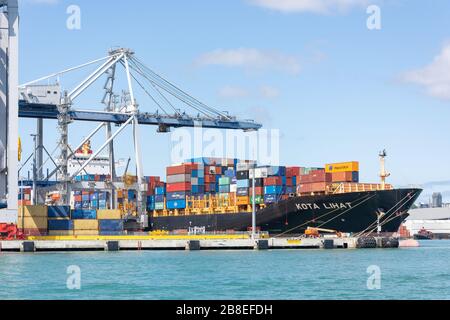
159,83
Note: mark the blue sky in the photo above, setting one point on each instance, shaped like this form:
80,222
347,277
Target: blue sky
336,90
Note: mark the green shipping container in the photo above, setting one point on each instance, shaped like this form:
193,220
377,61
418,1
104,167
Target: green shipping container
159,206
224,181
258,200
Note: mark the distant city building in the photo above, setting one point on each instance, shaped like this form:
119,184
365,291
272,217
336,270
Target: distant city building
436,200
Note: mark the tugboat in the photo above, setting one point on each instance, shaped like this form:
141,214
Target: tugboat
424,234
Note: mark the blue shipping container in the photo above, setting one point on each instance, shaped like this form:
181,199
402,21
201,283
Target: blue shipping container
243,183
176,204
60,225
242,191
110,225
94,204
102,204
160,191
271,198
224,189
197,189
176,196
58,212
273,189
84,214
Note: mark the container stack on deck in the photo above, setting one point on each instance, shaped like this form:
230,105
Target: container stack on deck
33,220
110,222
63,221
90,200
319,180
179,185
24,196
152,197
59,221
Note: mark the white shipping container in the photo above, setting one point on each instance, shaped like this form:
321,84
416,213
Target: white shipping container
259,173
177,178
233,188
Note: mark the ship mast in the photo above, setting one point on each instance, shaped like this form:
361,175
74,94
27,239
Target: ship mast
383,173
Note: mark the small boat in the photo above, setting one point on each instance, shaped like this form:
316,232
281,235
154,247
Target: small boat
424,234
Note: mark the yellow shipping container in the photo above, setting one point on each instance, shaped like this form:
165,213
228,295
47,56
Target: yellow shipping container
32,223
342,167
86,233
85,225
109,214
60,232
242,201
32,211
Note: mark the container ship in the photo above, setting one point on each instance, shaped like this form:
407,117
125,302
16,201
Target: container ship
219,195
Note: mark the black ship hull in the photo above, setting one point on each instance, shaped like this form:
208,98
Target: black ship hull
347,212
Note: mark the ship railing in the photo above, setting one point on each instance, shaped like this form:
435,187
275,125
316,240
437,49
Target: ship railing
359,187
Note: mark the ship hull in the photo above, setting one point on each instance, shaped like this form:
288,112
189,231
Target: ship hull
348,212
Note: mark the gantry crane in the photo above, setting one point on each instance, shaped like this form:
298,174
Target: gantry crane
51,102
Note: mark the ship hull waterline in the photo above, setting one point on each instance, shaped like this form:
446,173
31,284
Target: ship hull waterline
348,212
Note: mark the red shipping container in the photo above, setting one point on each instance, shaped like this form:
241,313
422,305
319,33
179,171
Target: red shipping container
175,187
209,178
152,180
296,171
292,171
319,187
34,232
289,182
77,198
342,177
273,181
183,169
259,191
150,190
213,170
306,178
304,188
320,176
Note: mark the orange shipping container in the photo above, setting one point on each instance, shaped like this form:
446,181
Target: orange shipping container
342,167
242,201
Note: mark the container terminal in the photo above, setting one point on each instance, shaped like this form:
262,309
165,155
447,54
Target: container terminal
202,203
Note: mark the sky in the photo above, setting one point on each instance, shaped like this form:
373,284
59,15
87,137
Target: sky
336,90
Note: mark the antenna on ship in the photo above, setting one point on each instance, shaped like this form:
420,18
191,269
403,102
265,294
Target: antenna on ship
383,173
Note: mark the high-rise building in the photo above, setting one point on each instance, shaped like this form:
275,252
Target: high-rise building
436,200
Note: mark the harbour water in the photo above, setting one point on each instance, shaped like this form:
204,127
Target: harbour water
409,273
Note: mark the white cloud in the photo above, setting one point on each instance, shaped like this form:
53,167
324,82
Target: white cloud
435,77
269,92
233,92
251,59
314,6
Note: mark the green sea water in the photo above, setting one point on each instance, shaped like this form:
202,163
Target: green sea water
413,273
